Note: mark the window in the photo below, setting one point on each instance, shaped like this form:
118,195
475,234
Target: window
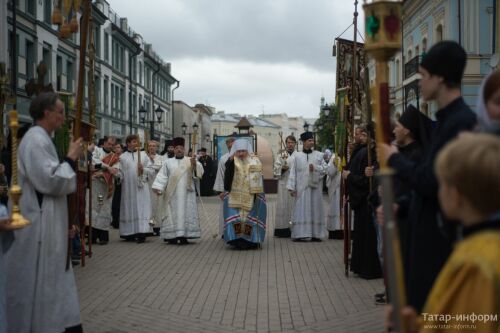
417,51
97,41
70,72
97,88
106,46
140,73
31,7
59,65
106,95
397,72
30,60
47,60
424,46
47,11
439,33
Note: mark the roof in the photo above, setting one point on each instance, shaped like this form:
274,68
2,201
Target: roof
235,118
243,123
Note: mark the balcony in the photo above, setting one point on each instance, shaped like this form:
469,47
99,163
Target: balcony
411,67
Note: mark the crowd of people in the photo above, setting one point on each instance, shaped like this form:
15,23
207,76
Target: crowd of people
442,176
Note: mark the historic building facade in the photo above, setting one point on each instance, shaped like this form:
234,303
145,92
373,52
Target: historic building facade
129,75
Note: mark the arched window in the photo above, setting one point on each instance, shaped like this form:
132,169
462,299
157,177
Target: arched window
397,73
439,33
410,55
424,45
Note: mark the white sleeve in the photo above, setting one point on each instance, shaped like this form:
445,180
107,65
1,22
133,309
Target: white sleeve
292,178
199,170
161,180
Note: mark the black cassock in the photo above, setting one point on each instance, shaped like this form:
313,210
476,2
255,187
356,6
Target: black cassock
207,181
364,259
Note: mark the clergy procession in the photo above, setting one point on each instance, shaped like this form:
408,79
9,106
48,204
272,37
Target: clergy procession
381,221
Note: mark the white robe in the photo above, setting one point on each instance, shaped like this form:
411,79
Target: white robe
135,206
307,218
155,166
219,187
179,215
333,183
101,204
5,242
285,202
41,293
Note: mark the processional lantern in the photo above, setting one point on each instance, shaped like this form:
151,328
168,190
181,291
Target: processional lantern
383,41
65,15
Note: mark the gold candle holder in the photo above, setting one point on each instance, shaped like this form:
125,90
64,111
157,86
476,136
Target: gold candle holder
18,221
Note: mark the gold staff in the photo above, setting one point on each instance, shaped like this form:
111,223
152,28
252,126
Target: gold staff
383,40
18,221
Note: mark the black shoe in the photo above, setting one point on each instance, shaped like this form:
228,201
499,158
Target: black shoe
381,301
299,239
170,241
314,239
183,241
379,295
75,262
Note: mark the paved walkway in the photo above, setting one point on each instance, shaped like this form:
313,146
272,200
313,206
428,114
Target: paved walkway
207,287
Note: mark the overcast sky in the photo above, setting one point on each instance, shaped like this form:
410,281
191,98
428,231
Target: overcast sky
246,56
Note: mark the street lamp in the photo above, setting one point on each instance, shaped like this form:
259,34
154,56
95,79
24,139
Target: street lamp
142,114
326,110
184,131
306,127
142,117
159,113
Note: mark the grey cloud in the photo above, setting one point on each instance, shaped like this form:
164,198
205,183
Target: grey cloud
259,30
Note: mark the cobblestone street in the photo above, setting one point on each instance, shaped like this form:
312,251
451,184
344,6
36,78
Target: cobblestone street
207,287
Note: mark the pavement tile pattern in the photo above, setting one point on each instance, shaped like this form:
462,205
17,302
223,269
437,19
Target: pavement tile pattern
208,287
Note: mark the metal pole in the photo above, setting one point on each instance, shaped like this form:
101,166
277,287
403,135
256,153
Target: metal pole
355,61
14,54
152,130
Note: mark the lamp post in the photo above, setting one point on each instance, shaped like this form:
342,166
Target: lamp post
209,142
142,115
190,134
330,118
306,126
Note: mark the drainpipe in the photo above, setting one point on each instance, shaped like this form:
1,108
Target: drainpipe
172,103
131,123
153,101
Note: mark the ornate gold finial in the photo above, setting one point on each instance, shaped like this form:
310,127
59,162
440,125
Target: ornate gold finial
383,28
18,221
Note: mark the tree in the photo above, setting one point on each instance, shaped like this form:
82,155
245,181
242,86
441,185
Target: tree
325,128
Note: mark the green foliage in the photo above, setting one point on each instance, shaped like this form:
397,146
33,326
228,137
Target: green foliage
325,137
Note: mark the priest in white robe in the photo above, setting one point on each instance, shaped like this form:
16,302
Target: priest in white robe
156,162
219,182
305,184
176,182
104,161
333,179
41,293
285,203
6,237
135,205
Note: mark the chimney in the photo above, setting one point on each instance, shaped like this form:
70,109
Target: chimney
124,24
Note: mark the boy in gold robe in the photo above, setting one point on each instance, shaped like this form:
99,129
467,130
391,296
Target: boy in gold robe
466,294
